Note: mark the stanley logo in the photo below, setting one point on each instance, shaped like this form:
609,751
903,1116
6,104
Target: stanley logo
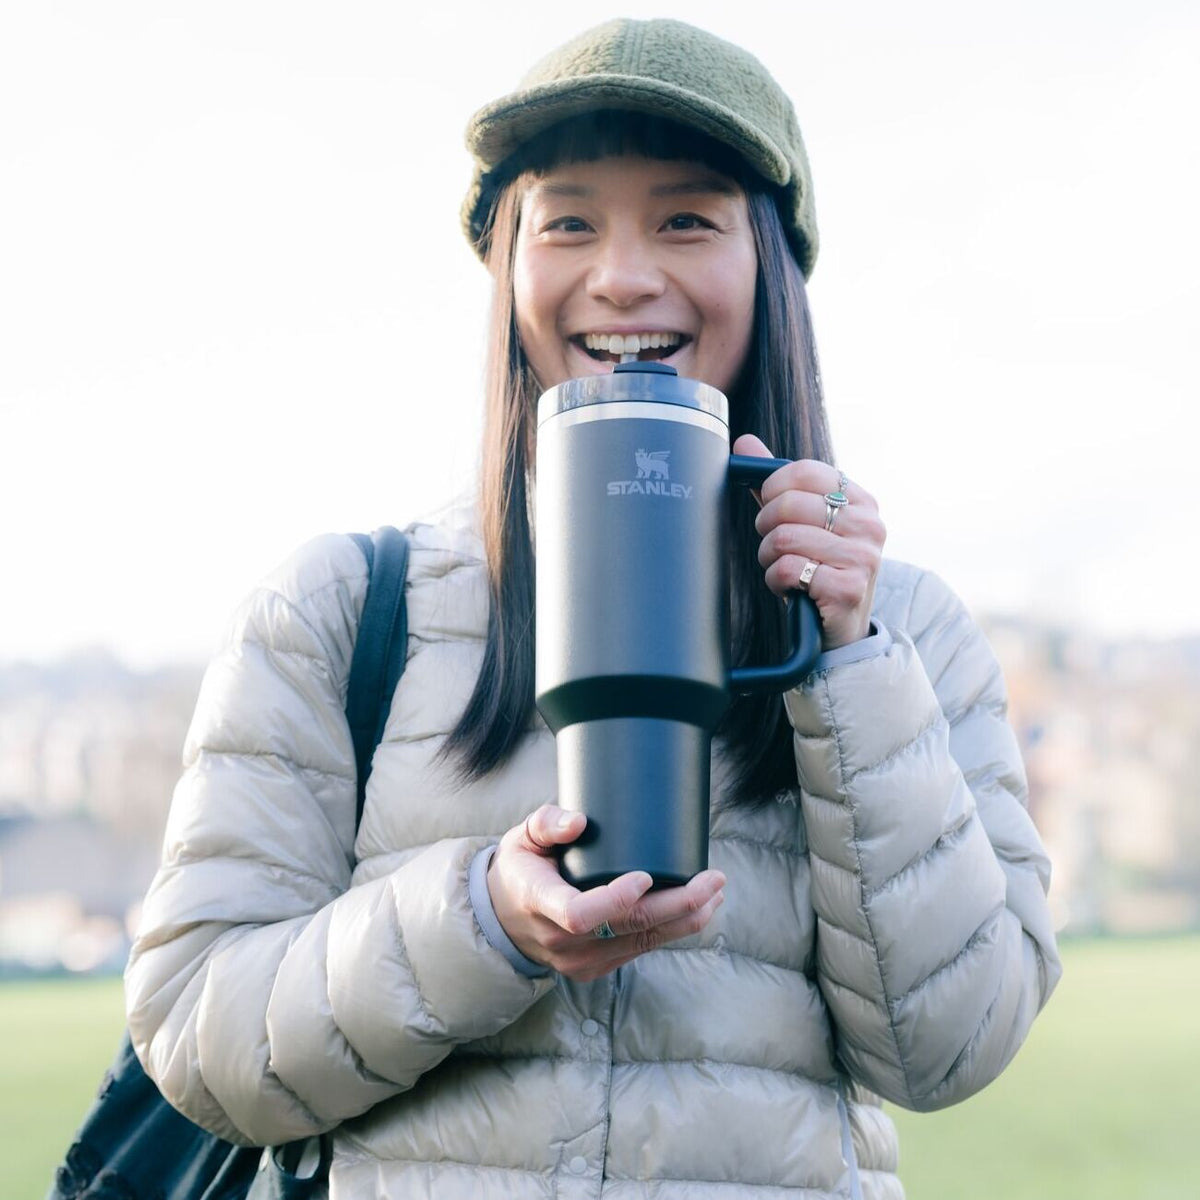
653,478
652,464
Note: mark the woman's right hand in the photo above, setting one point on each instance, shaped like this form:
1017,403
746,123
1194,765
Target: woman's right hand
554,924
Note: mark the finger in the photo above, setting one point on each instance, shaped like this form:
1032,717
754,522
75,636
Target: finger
803,475
819,478
791,508
687,925
581,912
783,577
670,904
848,549
551,826
584,961
752,447
833,589
808,509
804,542
626,905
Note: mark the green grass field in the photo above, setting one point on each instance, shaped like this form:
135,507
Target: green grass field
1102,1102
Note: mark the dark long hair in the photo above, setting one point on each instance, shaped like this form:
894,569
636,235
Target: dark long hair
778,397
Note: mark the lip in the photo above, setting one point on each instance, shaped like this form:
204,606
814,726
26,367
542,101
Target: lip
624,329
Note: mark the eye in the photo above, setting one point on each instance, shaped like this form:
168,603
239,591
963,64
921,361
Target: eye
567,225
685,223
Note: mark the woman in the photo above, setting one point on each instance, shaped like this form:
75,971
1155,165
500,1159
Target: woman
470,1025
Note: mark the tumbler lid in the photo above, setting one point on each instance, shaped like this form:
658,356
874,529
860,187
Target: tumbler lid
650,368
643,382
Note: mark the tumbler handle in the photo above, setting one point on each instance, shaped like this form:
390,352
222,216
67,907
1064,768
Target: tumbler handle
804,625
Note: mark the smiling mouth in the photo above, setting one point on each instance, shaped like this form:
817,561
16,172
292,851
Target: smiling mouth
610,347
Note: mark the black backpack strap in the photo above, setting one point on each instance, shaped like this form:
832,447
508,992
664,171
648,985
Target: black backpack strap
380,648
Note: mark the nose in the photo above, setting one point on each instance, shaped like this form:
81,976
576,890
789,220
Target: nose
625,272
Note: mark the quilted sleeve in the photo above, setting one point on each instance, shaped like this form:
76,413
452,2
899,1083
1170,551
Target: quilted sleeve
266,1000
935,949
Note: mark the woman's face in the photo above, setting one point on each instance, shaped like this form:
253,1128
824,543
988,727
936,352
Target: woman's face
629,252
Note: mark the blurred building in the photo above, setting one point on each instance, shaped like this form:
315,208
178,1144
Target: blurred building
89,754
90,751
1111,737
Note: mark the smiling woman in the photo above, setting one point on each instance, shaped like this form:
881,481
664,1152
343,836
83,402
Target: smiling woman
430,988
656,257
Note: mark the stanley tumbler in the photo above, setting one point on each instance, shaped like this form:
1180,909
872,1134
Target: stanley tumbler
633,648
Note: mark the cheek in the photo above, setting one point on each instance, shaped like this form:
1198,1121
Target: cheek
747,277
536,296
737,331
736,288
524,293
535,311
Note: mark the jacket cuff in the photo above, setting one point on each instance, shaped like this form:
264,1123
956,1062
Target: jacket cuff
485,914
858,715
876,642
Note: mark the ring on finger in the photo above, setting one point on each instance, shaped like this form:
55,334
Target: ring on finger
603,931
532,840
806,574
834,502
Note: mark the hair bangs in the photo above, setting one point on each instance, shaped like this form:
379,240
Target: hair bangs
615,133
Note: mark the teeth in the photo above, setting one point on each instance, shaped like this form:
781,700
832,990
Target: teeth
630,343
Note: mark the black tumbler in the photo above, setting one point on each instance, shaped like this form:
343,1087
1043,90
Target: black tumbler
633,648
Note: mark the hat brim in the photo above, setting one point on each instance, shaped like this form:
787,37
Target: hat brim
498,130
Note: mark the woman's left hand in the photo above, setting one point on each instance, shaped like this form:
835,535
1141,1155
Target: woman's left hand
847,556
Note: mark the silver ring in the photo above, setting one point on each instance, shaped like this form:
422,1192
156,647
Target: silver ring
843,482
806,575
603,931
532,840
833,502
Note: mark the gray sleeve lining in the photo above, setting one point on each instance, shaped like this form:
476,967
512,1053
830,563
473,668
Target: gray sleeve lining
485,914
876,642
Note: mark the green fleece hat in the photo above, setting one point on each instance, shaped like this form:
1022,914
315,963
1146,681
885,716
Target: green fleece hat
667,69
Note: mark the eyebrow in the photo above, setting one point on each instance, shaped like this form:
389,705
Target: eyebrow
707,186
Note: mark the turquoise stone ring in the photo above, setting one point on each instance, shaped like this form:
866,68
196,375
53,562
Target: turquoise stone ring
834,502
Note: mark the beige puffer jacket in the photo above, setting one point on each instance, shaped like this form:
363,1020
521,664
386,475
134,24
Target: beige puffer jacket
885,929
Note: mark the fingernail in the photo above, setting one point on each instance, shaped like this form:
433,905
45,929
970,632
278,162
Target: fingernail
564,822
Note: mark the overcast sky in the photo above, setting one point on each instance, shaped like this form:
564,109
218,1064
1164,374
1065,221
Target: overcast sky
236,309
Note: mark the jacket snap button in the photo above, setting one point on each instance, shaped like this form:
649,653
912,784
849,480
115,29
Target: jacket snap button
590,1028
577,1165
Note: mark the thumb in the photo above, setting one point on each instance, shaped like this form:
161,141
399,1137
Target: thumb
551,826
751,446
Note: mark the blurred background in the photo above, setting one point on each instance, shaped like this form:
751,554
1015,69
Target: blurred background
237,310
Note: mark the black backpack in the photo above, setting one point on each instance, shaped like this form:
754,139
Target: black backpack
133,1145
